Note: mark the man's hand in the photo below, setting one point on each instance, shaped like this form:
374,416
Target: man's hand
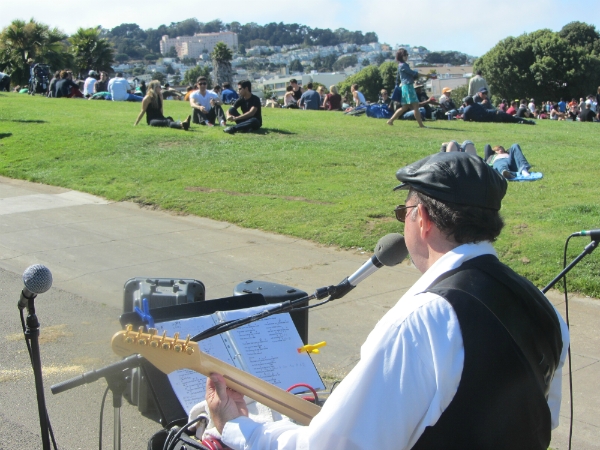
231,118
224,404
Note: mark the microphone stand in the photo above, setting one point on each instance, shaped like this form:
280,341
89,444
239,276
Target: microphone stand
116,378
32,333
281,308
586,251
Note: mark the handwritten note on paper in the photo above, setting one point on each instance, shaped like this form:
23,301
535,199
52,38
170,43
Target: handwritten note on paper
190,386
269,348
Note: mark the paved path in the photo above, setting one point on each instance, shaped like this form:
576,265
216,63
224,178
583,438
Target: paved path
93,246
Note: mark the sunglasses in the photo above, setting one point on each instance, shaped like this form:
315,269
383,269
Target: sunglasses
400,212
202,84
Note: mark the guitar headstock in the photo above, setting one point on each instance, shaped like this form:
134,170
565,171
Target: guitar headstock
166,353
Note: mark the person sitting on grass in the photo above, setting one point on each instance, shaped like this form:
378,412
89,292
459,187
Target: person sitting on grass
310,99
152,106
228,95
509,164
66,87
119,89
288,98
555,113
333,100
477,113
206,106
251,118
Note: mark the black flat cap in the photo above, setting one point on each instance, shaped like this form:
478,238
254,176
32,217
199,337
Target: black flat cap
455,177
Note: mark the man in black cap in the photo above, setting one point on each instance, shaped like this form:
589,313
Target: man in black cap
469,358
476,113
482,98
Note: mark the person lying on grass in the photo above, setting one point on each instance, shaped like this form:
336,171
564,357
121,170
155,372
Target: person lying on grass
152,106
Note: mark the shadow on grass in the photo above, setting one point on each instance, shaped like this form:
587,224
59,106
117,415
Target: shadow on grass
271,130
5,135
445,129
23,121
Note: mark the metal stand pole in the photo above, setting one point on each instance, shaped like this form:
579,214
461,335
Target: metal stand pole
32,333
117,384
586,251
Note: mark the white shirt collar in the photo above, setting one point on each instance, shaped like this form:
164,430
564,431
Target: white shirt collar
451,260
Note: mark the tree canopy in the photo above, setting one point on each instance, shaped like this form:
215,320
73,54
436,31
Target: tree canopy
545,64
21,41
90,51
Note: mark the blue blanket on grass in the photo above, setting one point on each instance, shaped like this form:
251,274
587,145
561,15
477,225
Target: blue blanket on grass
533,176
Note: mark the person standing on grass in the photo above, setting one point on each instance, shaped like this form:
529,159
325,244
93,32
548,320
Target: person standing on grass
152,106
251,118
407,77
206,106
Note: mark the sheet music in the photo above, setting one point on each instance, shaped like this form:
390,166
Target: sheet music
269,349
190,386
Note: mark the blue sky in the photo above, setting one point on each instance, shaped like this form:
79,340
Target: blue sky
469,26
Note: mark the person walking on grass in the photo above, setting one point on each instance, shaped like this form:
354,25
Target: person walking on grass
152,106
407,77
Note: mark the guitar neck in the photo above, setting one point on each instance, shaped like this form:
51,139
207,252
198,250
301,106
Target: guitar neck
170,354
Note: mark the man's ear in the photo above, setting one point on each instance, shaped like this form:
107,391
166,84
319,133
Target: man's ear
423,220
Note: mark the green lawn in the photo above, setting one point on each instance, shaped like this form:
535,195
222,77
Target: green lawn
321,176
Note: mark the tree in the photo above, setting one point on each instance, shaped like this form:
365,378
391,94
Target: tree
150,58
121,57
379,59
192,75
90,51
23,40
172,52
581,34
221,59
368,80
542,65
177,78
365,62
169,69
296,66
159,76
345,61
388,71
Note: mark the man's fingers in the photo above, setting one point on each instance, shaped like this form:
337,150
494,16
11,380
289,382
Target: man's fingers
216,382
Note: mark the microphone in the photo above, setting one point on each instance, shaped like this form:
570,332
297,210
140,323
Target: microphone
594,234
389,251
37,280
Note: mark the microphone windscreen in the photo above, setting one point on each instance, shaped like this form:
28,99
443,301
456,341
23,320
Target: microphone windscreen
37,279
391,249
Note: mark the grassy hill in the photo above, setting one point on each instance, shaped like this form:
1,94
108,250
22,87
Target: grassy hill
321,176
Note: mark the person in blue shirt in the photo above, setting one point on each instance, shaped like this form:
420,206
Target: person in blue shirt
310,99
228,95
562,105
407,77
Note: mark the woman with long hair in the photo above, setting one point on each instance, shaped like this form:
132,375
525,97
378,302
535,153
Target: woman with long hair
152,106
409,96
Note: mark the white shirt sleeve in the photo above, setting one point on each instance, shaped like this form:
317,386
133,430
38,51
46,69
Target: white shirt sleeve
409,371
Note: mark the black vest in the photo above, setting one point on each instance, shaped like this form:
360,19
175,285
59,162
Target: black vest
512,342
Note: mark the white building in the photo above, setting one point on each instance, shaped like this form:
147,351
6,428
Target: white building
194,46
